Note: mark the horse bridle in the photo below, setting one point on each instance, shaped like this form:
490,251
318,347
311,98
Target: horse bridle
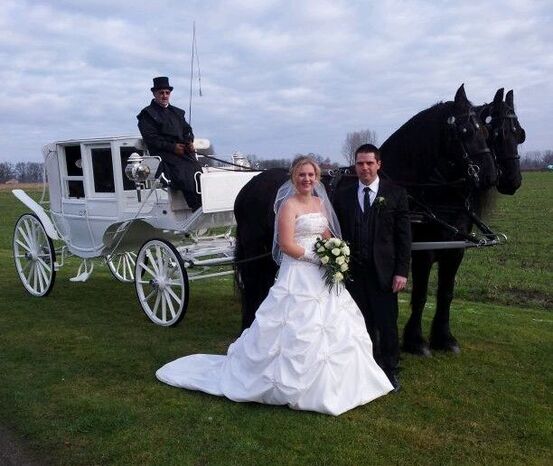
494,132
472,168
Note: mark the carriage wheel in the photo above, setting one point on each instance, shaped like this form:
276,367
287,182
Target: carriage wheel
122,266
34,255
161,282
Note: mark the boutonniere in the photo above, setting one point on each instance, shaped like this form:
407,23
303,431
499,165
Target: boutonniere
380,202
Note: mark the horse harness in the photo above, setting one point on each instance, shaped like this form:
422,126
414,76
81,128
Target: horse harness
494,130
425,211
460,132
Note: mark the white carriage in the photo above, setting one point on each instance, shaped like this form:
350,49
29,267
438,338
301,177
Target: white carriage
105,202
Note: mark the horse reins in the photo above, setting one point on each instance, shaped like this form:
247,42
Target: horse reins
241,167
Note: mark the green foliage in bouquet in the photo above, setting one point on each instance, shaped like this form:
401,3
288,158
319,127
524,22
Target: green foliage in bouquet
334,254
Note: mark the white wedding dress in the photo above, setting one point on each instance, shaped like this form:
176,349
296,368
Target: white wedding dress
307,348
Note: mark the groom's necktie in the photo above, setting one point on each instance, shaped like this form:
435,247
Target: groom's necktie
366,199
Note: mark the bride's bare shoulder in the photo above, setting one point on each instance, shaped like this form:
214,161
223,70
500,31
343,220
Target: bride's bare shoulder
290,204
289,209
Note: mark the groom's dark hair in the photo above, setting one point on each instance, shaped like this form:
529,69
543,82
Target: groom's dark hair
366,149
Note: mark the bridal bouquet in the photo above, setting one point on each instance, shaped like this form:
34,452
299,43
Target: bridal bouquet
334,254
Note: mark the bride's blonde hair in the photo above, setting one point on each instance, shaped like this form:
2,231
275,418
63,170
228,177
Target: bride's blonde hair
288,190
300,162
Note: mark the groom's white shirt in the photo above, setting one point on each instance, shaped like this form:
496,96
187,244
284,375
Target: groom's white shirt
372,194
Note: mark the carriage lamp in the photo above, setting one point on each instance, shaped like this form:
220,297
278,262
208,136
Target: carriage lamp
137,172
240,161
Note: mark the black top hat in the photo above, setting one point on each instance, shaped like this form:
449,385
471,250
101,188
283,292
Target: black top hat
161,82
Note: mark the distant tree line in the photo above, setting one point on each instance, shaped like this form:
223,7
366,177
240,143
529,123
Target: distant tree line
284,162
536,160
352,141
31,172
24,172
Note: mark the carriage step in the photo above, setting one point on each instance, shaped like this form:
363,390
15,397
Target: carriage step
84,272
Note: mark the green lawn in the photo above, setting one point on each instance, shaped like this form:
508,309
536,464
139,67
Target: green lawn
521,272
77,370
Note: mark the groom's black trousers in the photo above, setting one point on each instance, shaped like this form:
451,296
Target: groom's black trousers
380,310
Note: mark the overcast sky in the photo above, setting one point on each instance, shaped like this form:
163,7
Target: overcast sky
278,77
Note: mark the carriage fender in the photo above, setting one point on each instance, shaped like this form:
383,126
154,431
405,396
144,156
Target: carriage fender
39,211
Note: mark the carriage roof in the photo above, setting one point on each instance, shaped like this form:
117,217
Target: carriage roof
97,139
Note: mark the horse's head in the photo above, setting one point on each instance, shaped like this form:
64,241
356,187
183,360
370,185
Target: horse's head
338,178
505,134
472,156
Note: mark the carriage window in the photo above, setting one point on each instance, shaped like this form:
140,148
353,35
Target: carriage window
102,168
75,189
73,164
126,152
73,160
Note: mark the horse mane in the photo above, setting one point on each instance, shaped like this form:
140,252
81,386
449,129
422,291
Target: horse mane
411,153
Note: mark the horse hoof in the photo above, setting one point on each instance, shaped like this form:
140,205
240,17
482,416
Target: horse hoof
446,347
417,350
454,349
426,352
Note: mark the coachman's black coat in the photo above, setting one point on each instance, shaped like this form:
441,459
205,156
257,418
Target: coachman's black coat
162,128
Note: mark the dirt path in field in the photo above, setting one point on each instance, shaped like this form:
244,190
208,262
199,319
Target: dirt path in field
13,451
23,186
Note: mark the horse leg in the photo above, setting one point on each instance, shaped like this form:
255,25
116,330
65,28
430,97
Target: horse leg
257,277
440,335
413,341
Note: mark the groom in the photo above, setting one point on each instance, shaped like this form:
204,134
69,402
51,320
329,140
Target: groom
373,215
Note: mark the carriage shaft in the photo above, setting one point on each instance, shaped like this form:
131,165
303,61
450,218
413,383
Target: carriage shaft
435,245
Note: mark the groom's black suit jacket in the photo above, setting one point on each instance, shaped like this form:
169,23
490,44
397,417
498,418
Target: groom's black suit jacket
391,246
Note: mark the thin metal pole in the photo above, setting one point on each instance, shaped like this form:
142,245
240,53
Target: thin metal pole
191,71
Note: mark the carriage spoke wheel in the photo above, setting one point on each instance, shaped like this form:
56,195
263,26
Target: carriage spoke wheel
34,255
122,266
161,282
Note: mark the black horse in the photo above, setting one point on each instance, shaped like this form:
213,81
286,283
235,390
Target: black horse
460,206
449,139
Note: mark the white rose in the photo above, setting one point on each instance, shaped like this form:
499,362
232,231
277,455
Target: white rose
337,241
324,260
346,251
340,260
336,251
338,277
344,267
321,249
328,244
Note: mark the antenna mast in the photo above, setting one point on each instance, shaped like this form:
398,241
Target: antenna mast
194,53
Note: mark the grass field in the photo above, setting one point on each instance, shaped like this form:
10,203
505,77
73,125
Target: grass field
77,370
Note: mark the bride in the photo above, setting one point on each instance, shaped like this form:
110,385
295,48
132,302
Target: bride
308,347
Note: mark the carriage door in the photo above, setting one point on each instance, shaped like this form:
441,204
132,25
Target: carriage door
71,221
101,200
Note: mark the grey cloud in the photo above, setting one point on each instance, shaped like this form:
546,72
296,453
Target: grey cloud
279,77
